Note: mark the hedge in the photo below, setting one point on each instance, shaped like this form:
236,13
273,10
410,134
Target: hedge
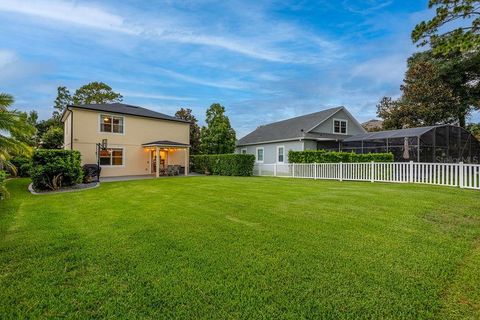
23,165
3,185
223,164
53,169
322,156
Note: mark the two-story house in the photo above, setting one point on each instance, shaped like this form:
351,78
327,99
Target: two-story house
137,139
320,130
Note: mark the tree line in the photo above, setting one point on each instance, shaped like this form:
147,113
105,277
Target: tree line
442,83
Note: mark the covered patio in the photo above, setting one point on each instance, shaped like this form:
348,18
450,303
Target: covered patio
168,157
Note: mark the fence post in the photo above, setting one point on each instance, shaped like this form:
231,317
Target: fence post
461,181
275,170
293,170
341,171
372,171
315,171
410,172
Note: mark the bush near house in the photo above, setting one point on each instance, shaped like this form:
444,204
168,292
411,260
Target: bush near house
23,165
3,187
223,164
322,156
53,169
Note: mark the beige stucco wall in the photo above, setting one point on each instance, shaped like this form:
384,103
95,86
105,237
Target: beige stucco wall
137,131
67,130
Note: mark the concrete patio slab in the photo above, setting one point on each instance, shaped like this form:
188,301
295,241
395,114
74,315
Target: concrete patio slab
144,177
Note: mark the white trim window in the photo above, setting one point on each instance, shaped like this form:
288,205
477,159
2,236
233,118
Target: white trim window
260,154
112,157
340,126
111,124
243,151
281,154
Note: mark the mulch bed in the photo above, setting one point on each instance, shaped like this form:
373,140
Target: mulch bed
77,187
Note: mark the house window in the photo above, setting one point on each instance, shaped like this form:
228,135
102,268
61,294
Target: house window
340,126
111,157
111,124
281,154
244,151
259,154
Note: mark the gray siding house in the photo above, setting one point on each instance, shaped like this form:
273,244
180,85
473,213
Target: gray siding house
270,143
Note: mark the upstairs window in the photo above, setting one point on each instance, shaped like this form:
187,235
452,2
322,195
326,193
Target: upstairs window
112,124
340,126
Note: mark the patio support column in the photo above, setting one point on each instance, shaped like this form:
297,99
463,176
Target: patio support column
157,162
187,161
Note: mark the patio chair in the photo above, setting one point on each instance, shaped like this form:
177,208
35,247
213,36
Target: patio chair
177,169
170,170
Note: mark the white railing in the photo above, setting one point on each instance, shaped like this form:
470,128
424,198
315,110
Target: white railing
443,174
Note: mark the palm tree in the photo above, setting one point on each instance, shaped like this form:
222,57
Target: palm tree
11,124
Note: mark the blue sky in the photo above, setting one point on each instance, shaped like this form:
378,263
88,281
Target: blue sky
263,60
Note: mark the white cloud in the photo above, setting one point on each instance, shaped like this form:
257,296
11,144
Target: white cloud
247,49
365,7
138,94
223,84
387,70
7,57
69,12
260,42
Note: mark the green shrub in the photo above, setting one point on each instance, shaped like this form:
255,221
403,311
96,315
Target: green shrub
3,185
223,164
322,156
53,169
23,165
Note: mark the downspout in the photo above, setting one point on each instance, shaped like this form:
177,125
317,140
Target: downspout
71,130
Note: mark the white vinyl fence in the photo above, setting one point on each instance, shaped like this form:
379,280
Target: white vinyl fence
443,174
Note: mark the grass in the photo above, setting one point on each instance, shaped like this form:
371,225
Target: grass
221,247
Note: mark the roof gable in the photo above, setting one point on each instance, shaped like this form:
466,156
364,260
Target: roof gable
289,129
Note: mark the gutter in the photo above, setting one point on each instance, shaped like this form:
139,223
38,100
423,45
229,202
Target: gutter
131,114
71,130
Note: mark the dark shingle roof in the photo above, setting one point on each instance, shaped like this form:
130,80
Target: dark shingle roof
165,143
399,133
287,129
122,108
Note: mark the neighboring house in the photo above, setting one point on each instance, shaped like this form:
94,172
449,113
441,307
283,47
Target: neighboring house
373,125
337,130
137,138
320,130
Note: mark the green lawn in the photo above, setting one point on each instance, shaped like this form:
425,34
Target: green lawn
221,247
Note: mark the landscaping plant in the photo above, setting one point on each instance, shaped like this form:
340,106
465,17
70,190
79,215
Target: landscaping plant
3,187
23,164
224,164
53,169
322,156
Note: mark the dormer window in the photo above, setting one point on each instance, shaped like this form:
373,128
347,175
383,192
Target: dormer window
111,124
339,126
